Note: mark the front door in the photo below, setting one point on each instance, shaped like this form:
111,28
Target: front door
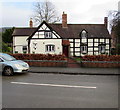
66,51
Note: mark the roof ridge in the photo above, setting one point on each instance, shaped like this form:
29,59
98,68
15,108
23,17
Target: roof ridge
25,27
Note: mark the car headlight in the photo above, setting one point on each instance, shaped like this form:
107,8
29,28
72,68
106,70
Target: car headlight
18,66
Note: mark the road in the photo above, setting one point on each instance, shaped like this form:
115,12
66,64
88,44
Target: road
34,90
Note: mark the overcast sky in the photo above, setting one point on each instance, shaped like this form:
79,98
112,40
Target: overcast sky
18,12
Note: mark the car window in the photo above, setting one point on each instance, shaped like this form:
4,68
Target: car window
1,60
7,57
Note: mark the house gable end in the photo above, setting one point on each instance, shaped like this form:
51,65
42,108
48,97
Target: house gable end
42,30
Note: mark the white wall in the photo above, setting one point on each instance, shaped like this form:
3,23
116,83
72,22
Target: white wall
19,42
41,43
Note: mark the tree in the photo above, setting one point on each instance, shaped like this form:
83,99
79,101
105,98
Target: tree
116,29
45,11
5,48
7,35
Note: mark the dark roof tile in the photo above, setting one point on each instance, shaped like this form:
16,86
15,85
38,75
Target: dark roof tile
23,31
73,30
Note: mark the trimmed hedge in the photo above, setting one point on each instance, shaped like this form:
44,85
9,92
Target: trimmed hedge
101,58
101,61
45,60
39,57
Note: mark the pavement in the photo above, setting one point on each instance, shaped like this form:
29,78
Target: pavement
76,71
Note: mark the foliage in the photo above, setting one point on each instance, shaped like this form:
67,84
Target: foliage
113,61
7,35
101,58
78,59
116,28
5,48
38,57
45,11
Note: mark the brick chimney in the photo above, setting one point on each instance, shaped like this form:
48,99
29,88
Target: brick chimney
64,20
31,23
106,21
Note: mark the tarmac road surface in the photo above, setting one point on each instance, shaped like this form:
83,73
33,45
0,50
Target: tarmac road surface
34,90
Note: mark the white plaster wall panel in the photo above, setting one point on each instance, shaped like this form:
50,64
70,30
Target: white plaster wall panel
95,44
77,49
71,40
96,40
96,49
90,40
41,35
42,43
107,40
96,53
43,27
77,44
90,49
90,44
21,40
90,53
19,49
77,40
101,40
77,54
107,46
71,44
35,36
56,34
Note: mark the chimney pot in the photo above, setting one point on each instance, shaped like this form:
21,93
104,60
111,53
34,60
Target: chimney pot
31,23
64,20
106,21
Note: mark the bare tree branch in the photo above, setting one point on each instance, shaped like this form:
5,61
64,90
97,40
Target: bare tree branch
45,11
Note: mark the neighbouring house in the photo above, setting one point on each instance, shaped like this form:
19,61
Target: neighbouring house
68,39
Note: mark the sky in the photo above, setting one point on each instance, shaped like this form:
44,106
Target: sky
17,13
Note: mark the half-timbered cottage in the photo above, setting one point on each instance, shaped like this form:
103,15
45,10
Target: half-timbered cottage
68,39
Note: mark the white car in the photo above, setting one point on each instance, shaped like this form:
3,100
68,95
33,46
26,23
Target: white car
9,65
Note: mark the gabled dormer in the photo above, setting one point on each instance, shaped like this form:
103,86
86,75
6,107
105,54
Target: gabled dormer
44,31
83,36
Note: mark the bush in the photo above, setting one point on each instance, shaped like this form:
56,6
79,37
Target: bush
113,61
39,57
101,58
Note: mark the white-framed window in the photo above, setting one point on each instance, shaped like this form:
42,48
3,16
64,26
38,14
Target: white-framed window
24,49
84,49
50,48
101,49
48,34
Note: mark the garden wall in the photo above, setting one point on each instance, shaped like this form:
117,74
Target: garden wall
112,61
43,60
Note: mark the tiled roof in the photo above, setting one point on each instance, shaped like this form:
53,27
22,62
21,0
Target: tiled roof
72,31
23,31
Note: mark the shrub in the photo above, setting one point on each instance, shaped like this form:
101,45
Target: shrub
39,57
101,58
114,58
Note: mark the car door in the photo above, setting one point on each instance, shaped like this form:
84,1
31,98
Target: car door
1,64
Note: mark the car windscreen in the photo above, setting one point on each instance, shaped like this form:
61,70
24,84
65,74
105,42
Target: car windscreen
7,57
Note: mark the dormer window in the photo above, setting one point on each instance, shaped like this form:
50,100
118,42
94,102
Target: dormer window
48,34
83,34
